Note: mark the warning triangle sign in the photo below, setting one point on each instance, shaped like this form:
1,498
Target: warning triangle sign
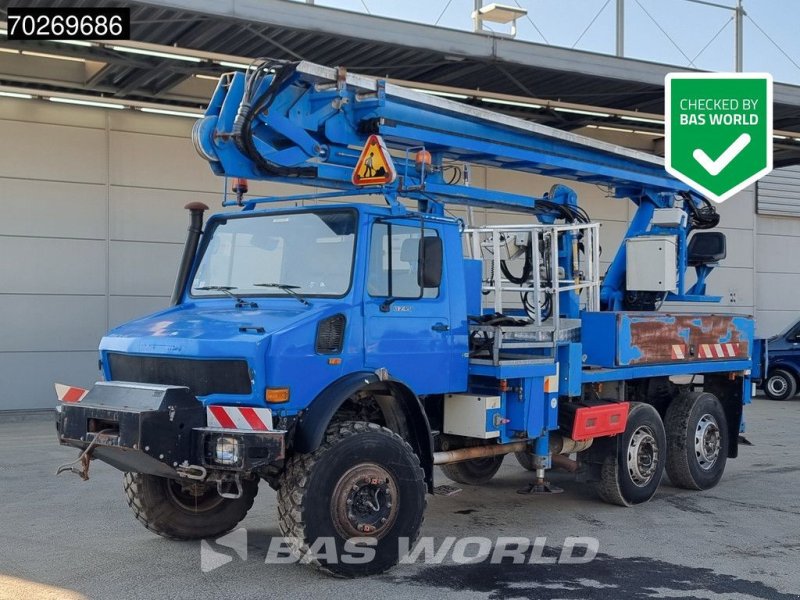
374,166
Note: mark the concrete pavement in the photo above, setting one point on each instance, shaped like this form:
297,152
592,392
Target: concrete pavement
64,538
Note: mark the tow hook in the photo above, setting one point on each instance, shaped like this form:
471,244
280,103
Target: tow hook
191,471
83,472
85,458
237,482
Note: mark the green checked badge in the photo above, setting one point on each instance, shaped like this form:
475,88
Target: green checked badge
718,130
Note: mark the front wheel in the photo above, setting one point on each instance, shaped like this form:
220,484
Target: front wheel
697,441
185,510
780,385
632,472
364,481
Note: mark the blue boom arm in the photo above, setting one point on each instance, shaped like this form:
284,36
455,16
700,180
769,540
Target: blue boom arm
306,124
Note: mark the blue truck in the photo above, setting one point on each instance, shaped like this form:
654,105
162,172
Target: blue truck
339,348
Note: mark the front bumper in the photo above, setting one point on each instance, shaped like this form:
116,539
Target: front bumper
158,430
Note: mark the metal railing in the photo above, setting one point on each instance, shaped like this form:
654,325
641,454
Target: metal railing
497,244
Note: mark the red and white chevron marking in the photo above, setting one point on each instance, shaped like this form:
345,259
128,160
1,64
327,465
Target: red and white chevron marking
69,393
678,351
718,351
239,417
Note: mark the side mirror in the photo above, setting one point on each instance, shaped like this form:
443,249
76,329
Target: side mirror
429,274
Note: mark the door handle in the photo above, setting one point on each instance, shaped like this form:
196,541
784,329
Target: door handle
441,327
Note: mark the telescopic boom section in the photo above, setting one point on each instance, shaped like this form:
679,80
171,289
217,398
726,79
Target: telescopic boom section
309,125
306,124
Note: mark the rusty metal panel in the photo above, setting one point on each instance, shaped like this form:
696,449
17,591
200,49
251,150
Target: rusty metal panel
646,338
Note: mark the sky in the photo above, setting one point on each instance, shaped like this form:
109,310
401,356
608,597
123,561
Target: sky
688,34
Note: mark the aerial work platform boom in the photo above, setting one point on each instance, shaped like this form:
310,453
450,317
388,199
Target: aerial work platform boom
305,120
306,124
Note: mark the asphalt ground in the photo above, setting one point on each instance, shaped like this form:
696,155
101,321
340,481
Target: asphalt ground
61,537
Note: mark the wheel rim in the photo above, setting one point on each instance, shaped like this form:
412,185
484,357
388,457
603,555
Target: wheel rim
707,442
777,385
365,502
643,456
193,497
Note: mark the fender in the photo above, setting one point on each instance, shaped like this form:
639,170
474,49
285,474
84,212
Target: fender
780,362
315,419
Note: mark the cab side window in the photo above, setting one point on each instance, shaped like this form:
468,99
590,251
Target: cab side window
394,262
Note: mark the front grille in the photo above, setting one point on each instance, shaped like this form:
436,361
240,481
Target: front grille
330,335
202,377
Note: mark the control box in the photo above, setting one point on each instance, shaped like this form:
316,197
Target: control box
471,415
652,263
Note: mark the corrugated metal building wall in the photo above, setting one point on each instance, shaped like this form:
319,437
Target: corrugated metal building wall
92,227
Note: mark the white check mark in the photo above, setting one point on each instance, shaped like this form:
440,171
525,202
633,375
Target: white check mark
715,167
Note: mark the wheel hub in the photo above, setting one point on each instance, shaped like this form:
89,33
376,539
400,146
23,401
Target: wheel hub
777,385
193,497
707,442
365,502
643,456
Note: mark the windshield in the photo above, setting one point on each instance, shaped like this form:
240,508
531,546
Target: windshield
310,251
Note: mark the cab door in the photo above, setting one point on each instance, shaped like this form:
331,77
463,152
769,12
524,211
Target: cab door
407,328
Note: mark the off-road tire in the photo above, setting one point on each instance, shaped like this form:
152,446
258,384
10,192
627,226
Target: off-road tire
157,504
697,441
311,505
476,471
618,480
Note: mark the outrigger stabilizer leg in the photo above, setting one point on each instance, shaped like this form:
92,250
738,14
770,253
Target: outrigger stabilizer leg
541,462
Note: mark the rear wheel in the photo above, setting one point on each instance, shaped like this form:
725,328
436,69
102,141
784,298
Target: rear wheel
476,471
780,385
632,472
364,481
185,510
697,441
525,460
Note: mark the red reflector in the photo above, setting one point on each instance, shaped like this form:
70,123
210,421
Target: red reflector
600,421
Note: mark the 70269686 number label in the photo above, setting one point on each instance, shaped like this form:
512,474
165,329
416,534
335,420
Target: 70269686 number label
79,23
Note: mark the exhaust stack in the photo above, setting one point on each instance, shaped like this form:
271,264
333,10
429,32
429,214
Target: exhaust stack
196,210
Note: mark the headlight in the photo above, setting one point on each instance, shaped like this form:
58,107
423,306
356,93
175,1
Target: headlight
227,451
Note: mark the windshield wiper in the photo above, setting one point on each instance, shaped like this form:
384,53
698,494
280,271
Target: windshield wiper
226,289
289,289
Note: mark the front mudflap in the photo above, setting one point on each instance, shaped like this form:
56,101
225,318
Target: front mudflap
134,427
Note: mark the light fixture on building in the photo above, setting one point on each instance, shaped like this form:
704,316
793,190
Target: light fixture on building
496,13
233,65
80,43
444,94
100,102
577,111
173,113
53,56
85,102
511,103
156,53
641,120
16,95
